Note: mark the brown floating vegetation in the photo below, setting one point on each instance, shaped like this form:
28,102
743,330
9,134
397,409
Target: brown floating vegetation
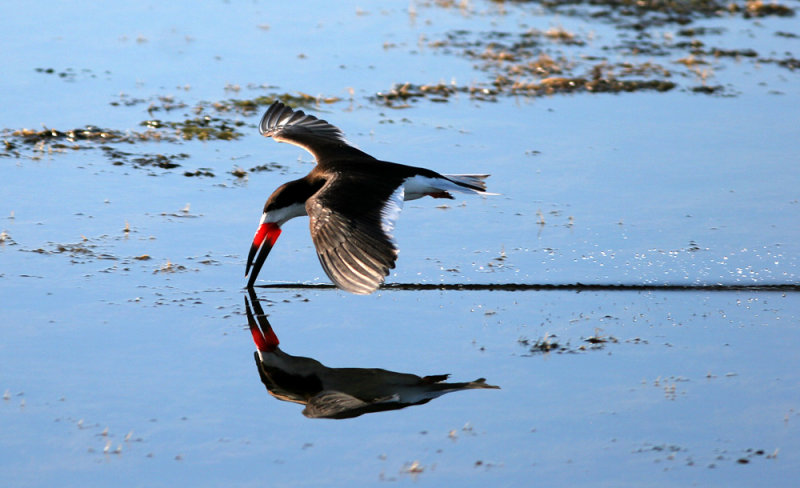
598,81
790,63
256,104
518,64
170,267
203,128
536,63
212,122
79,252
758,8
50,140
707,89
642,14
549,343
530,63
199,172
544,345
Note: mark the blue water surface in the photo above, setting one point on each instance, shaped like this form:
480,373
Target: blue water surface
140,372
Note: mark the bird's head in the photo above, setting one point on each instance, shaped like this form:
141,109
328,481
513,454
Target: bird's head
282,205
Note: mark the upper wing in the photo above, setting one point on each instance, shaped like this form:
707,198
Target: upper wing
321,139
353,237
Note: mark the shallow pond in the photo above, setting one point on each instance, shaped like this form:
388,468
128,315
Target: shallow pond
126,355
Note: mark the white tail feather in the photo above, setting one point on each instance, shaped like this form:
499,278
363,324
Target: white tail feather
475,181
420,186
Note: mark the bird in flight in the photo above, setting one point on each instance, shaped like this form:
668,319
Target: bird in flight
351,199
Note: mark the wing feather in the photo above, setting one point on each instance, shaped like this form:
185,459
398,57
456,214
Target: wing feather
323,140
334,404
352,269
351,240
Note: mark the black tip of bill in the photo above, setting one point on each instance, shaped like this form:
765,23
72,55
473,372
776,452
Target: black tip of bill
260,254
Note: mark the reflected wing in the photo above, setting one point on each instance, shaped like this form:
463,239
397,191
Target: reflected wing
333,404
339,405
321,139
353,235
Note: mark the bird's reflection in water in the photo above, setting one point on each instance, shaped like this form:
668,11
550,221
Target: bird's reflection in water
338,393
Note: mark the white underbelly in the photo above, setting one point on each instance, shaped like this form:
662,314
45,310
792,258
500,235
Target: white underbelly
419,186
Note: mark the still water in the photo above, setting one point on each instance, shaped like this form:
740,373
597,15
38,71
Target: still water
127,356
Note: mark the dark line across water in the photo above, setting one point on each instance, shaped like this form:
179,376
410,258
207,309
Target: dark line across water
786,287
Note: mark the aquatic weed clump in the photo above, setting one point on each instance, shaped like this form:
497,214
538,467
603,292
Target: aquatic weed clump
522,64
551,86
398,95
251,106
204,128
533,63
35,143
90,132
758,8
648,13
210,123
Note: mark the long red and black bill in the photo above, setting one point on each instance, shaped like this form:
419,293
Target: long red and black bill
263,335
265,238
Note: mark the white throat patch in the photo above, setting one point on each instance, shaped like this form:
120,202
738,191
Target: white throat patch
279,216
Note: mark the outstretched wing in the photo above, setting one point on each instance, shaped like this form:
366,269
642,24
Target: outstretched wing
321,139
353,237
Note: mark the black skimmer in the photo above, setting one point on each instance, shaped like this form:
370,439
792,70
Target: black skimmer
351,198
338,393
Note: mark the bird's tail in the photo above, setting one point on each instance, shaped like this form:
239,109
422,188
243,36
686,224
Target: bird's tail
473,182
439,386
